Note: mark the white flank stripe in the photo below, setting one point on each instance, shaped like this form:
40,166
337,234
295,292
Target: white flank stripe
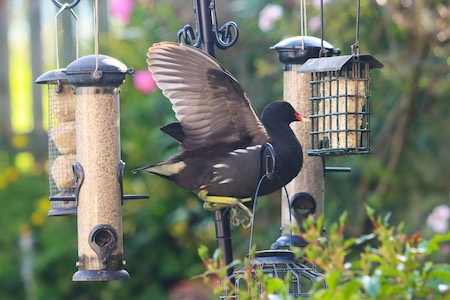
220,166
228,180
169,169
240,151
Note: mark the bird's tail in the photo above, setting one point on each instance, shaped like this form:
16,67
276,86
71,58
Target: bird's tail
163,169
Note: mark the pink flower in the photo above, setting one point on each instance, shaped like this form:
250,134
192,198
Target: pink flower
121,10
268,16
316,3
314,23
438,219
144,82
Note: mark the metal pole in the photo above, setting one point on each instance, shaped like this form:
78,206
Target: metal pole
222,216
208,35
206,29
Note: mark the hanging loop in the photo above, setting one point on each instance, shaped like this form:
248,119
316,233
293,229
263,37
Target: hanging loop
355,46
66,5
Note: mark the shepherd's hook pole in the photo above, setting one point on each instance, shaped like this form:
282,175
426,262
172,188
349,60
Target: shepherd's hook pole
206,35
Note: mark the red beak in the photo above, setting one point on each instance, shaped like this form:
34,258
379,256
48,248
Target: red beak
301,117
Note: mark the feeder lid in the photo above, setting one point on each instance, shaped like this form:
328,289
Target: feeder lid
325,64
53,76
110,72
273,257
298,49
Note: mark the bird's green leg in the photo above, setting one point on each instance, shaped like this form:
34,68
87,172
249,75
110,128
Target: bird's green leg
218,202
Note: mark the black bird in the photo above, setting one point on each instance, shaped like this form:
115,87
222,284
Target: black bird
220,134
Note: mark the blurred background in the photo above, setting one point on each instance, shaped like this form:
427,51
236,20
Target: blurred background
408,174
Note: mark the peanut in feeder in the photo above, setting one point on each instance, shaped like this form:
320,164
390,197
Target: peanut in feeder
61,125
61,142
84,156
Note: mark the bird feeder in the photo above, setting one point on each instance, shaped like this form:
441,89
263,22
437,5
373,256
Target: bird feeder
309,184
61,142
98,168
278,264
340,104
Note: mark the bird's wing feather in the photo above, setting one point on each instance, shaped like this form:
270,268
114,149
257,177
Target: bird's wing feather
209,103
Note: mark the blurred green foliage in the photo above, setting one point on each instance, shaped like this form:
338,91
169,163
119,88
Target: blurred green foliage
407,175
392,265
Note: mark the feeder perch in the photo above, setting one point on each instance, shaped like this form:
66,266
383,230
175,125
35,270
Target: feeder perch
61,142
340,104
279,264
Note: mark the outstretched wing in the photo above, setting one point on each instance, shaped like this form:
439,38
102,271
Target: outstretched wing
209,103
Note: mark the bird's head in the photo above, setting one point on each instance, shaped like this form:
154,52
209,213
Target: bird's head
283,111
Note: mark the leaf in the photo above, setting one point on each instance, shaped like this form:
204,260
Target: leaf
433,244
333,279
349,242
275,285
203,252
371,285
441,272
217,254
364,238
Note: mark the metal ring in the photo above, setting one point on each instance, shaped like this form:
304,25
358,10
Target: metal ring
71,5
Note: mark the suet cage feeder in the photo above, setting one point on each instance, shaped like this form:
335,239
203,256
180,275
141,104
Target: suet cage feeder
340,104
61,142
278,264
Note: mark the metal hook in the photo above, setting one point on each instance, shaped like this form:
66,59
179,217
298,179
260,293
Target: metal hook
224,37
187,35
268,159
66,5
227,35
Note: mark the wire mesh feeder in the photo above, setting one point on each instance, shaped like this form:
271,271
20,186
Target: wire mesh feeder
61,142
279,264
340,104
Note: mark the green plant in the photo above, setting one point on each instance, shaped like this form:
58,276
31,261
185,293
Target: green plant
391,265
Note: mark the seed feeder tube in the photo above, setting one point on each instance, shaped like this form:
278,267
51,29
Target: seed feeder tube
61,142
293,53
98,167
340,104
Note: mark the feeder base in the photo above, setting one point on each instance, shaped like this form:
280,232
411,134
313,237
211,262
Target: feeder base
100,275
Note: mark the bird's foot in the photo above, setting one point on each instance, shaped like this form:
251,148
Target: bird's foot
219,202
242,216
